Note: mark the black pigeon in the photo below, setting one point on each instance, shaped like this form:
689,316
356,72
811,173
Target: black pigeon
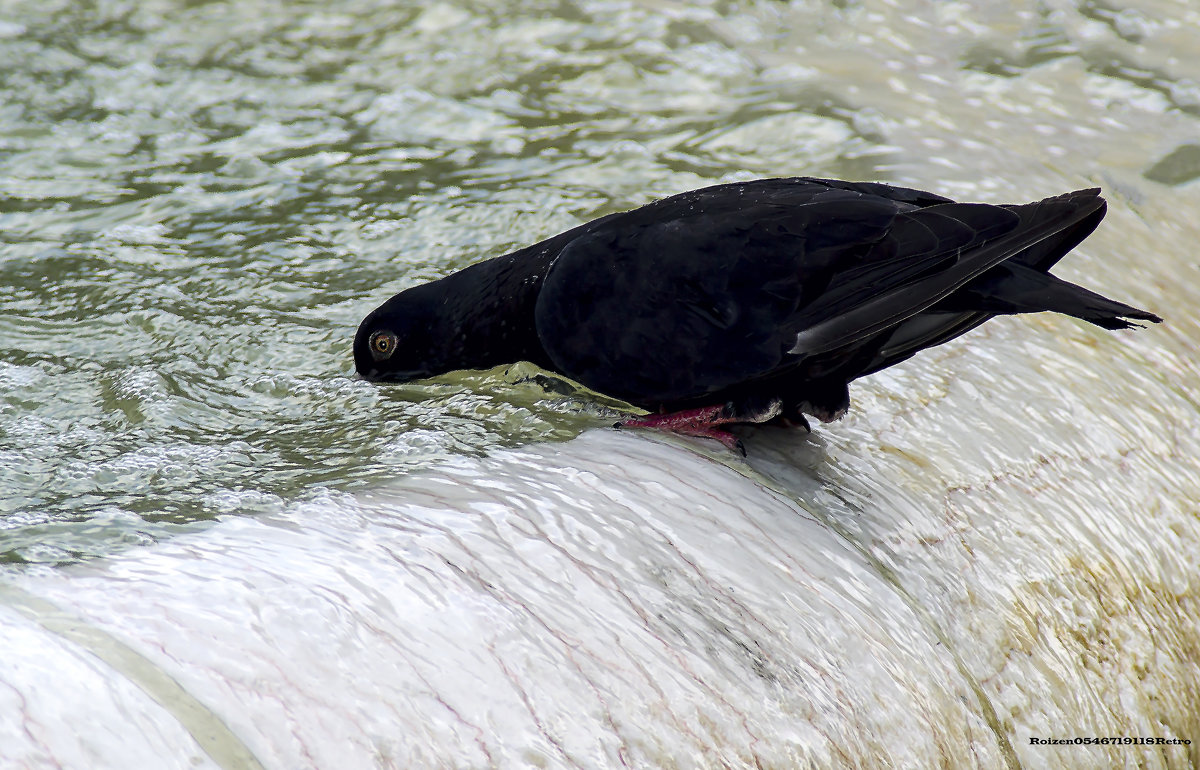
747,302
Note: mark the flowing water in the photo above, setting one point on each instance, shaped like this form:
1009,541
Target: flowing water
200,200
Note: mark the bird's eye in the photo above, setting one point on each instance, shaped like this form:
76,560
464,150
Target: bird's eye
383,344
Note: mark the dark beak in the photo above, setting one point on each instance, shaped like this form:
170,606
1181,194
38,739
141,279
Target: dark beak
374,375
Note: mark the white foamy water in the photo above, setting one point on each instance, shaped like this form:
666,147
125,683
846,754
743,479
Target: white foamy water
617,601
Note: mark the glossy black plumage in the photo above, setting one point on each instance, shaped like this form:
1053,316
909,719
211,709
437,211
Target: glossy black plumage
769,295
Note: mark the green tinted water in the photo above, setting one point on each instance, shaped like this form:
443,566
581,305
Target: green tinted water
199,201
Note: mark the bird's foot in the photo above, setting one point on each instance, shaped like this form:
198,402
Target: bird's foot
703,422
830,403
829,414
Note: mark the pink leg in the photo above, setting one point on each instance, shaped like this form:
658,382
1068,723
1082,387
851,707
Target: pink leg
679,421
692,422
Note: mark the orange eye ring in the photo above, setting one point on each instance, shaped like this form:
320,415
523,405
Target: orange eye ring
383,344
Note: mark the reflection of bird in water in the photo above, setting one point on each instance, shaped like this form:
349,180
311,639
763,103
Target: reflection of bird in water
749,302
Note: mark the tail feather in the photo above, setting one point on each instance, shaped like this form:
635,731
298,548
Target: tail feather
1023,284
1042,232
1020,284
1014,288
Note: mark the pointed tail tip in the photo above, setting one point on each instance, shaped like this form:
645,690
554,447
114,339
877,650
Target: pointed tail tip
1144,315
1122,321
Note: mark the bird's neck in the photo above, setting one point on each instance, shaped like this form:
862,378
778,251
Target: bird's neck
490,312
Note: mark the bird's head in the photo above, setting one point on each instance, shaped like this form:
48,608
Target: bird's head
480,317
399,340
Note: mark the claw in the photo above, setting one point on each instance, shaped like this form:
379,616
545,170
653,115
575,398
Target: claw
797,421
